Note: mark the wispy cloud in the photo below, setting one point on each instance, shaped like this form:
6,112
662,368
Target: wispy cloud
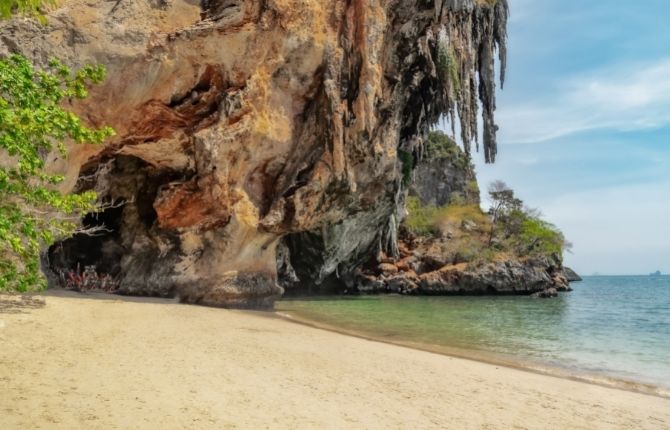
622,98
588,92
613,227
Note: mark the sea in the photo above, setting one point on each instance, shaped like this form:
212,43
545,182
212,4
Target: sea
611,330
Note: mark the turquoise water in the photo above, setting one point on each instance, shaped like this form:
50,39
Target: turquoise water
613,326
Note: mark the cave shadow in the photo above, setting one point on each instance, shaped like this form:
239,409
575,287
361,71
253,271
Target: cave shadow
101,250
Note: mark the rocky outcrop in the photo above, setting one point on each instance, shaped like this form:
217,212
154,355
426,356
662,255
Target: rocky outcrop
240,123
444,174
545,294
440,174
438,181
458,258
571,275
426,268
501,277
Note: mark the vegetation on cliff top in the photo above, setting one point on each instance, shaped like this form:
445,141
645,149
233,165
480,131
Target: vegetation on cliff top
508,230
521,228
33,213
27,7
442,160
440,145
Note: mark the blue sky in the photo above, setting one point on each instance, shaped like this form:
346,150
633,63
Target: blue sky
585,127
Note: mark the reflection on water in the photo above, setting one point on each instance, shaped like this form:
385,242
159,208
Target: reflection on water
619,326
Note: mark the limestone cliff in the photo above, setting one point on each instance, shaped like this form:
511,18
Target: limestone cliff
446,243
241,123
444,174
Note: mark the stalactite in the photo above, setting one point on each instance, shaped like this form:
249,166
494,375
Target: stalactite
468,34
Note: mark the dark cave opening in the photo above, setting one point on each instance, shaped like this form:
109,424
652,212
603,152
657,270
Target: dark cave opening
98,250
306,251
127,218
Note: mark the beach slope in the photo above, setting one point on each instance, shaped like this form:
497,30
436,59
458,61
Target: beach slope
76,361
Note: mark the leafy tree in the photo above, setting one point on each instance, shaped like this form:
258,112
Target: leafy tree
540,237
407,163
522,228
33,214
505,205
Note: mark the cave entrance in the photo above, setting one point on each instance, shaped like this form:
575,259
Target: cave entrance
97,251
306,251
128,217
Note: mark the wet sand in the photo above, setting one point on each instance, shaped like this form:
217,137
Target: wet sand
76,361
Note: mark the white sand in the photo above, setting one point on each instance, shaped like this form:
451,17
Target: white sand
147,364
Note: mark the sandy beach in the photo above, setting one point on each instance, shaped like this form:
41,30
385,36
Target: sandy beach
76,361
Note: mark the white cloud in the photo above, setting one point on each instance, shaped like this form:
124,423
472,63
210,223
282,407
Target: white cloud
615,230
625,98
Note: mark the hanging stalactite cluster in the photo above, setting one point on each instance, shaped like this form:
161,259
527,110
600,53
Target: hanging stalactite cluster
465,36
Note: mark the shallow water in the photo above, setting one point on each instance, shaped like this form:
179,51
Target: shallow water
615,326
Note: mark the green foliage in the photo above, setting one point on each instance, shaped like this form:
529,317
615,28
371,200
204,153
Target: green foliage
471,236
472,188
429,220
470,249
33,213
464,226
485,255
26,7
448,65
456,199
504,207
439,145
522,229
407,163
538,237
421,220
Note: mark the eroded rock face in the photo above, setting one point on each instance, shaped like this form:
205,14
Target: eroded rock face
429,266
452,261
439,181
504,277
241,122
571,275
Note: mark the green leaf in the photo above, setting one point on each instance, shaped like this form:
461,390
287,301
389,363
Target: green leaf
33,214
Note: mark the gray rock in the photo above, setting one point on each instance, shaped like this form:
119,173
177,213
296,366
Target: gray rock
545,294
437,180
403,283
571,275
508,277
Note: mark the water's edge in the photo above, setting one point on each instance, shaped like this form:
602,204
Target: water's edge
496,359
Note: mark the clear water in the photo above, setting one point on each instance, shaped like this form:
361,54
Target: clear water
615,326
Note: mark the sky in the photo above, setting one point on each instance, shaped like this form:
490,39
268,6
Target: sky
585,127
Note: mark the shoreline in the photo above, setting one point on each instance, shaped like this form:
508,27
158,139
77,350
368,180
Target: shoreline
71,360
509,361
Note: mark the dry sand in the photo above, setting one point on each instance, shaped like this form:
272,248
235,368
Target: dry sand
71,361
